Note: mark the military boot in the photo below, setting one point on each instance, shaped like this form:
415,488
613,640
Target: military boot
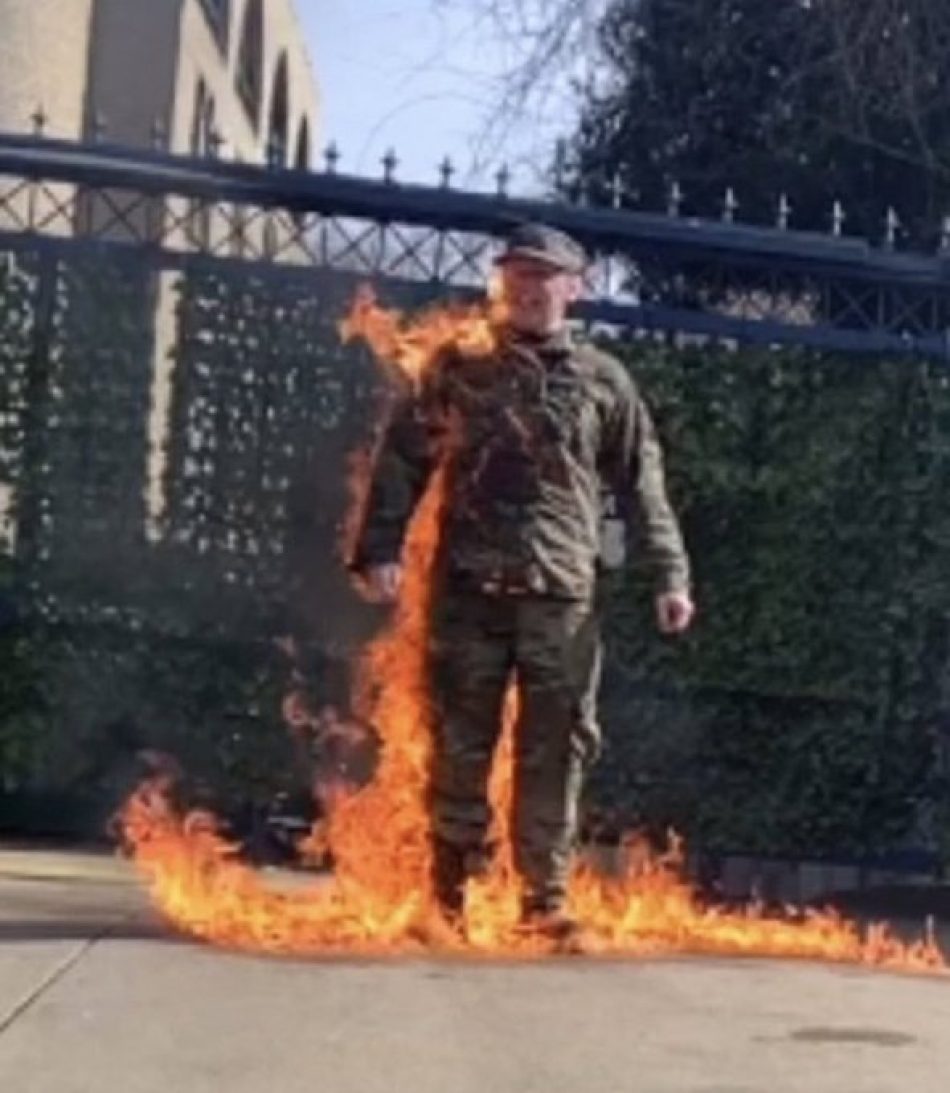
452,866
448,877
549,919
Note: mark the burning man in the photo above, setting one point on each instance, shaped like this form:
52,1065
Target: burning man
530,439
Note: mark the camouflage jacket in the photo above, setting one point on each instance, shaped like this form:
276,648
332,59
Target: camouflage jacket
533,438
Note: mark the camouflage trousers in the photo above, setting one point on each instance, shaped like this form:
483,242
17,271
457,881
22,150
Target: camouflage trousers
551,649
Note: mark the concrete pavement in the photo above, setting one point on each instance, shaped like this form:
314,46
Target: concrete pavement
95,997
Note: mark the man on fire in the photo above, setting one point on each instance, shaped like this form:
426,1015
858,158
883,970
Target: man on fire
530,439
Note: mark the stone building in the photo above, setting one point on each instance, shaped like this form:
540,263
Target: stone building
190,72
195,76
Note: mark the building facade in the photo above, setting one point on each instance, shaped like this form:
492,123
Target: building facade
192,74
230,77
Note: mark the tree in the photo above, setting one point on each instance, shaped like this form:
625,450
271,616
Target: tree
541,51
822,100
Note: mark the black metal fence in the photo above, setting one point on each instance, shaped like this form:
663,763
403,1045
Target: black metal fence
176,414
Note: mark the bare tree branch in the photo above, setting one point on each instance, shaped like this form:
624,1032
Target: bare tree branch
863,77
547,49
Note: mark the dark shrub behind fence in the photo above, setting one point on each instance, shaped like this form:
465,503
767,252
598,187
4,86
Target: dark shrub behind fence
175,422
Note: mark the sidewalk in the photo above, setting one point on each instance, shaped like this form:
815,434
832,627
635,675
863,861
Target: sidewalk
96,996
30,863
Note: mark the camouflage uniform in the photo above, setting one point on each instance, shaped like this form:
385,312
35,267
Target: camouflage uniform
532,438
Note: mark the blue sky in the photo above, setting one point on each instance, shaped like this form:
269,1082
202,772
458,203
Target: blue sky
397,73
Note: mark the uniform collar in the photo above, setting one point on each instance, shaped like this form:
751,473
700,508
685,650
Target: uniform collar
555,345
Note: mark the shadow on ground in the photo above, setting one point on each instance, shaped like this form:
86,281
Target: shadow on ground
79,929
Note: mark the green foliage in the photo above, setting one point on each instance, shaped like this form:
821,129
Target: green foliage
165,641
21,706
103,693
802,713
840,100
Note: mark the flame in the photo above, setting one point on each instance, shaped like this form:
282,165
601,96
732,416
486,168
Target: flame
379,898
412,346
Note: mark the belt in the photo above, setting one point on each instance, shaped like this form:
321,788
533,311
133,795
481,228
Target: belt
518,583
504,588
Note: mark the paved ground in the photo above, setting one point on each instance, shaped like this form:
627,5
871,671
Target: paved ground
95,997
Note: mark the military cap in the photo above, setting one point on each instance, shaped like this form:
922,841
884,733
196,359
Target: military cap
540,243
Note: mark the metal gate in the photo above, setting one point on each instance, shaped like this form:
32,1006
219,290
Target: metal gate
176,414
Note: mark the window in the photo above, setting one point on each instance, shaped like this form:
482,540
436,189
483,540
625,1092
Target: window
202,136
278,135
302,154
203,119
250,66
218,14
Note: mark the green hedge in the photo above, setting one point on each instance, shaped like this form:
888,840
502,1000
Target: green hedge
803,713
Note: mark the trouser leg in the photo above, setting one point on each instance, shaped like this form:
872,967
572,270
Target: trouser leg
558,656
472,657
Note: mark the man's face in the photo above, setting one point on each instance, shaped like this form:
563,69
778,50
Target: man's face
537,296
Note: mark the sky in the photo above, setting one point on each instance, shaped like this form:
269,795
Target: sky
400,74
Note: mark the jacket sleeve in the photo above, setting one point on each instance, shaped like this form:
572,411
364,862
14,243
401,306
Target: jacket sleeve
635,461
403,465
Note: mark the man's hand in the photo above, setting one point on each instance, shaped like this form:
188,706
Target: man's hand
384,582
674,612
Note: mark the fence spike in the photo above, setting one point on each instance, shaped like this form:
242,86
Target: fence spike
99,127
838,217
502,179
616,191
784,212
275,153
39,120
215,142
893,226
446,171
674,201
332,157
159,134
390,163
730,206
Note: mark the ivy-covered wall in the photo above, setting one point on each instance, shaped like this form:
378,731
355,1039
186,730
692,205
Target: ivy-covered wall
803,715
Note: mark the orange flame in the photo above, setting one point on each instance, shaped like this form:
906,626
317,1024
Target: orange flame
379,898
413,346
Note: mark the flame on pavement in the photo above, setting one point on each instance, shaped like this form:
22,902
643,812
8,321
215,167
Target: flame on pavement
379,898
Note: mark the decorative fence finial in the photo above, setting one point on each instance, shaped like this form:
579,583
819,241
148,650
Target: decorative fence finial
893,226
501,181
159,134
674,200
39,120
332,157
784,212
99,127
730,206
275,152
390,163
838,217
215,142
446,171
